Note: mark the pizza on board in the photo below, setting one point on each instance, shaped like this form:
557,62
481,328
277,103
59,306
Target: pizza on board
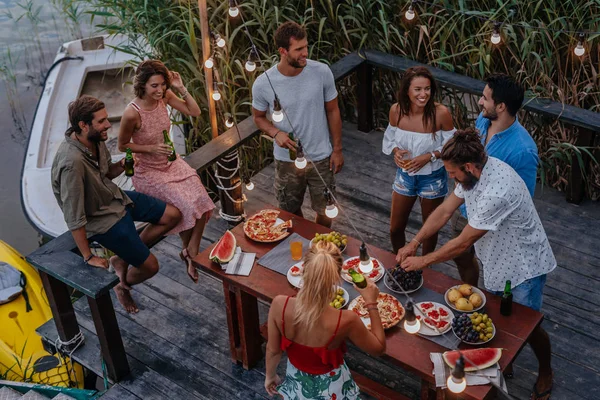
261,227
390,309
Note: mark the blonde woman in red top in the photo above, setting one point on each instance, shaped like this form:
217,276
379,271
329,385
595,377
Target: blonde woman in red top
314,334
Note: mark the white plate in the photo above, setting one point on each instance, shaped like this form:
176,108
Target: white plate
427,331
347,278
346,296
477,343
295,281
475,290
388,285
278,221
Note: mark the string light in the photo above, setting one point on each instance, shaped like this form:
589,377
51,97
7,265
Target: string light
277,113
496,38
411,324
300,161
216,95
229,121
249,184
234,11
410,13
251,64
219,41
366,263
331,210
456,381
579,49
209,63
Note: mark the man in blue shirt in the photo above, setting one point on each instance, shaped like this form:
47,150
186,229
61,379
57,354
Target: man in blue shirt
504,138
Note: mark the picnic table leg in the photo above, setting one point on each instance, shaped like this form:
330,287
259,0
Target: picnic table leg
242,321
109,335
429,393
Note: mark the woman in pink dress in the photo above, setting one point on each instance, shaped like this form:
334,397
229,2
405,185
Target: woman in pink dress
176,183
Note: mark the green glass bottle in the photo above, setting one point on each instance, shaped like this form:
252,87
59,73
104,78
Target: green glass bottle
292,152
128,162
358,279
173,155
506,301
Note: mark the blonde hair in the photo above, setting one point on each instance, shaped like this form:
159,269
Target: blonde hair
322,266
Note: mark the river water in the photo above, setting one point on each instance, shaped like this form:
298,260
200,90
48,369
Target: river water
31,31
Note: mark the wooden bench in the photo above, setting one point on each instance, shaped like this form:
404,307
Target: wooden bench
365,384
60,268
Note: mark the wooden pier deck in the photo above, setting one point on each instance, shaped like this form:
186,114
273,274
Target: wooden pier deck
177,345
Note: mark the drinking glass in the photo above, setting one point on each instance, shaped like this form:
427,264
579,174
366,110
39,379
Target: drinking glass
296,250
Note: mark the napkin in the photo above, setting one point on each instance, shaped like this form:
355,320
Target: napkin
240,264
491,375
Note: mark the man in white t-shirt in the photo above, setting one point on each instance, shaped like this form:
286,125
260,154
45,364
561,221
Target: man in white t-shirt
505,228
308,97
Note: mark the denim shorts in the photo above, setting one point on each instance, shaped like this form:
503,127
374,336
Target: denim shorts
430,186
529,293
122,238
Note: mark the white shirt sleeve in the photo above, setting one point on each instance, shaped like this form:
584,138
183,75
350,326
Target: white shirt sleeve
445,136
389,140
459,191
258,99
490,212
329,90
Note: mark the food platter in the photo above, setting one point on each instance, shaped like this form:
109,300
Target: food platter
422,311
353,262
483,326
390,284
266,227
474,290
390,310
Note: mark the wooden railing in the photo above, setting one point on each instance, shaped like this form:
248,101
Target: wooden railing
61,267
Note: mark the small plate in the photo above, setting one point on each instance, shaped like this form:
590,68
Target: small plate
475,290
427,331
295,281
346,275
342,249
477,343
346,297
387,281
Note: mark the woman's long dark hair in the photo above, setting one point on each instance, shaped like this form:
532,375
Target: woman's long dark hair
429,117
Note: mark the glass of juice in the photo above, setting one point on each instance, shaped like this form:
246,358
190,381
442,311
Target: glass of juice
296,250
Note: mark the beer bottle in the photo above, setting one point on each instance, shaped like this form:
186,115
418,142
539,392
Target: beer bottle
358,279
506,302
173,155
128,163
292,152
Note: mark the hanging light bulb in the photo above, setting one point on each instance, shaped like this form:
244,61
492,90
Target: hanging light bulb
579,49
229,122
456,381
277,113
366,263
411,324
250,66
496,38
209,63
331,210
219,40
300,161
234,11
410,13
249,184
216,95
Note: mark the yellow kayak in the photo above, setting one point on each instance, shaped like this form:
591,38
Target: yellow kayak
25,308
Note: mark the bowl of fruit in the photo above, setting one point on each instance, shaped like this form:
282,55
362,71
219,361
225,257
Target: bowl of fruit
409,281
476,328
334,237
340,300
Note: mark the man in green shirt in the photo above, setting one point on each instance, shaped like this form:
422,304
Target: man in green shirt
96,209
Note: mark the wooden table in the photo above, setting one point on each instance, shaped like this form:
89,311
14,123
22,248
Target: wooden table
411,352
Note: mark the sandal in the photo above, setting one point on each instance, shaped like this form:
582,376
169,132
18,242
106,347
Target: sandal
536,396
185,257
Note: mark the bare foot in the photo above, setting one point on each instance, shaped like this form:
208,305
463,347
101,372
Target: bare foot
124,297
191,270
120,267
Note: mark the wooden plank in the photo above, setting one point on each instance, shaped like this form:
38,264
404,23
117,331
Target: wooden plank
118,392
109,336
347,65
58,261
376,390
565,113
62,309
576,188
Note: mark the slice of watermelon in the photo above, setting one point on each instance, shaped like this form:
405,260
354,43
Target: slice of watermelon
224,250
474,358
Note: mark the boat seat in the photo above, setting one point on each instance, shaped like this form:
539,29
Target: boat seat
10,283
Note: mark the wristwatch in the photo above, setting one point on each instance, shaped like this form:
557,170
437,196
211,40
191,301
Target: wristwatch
433,157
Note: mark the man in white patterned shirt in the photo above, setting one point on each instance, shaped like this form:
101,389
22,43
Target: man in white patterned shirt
505,228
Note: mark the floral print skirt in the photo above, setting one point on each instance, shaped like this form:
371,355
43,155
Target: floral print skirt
334,385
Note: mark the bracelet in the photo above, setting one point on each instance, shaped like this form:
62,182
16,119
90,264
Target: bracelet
184,94
276,133
87,259
415,240
373,308
371,304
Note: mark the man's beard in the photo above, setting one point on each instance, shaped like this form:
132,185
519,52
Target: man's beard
469,182
95,136
295,63
491,115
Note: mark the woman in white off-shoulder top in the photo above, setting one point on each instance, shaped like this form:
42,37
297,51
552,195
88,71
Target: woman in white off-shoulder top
417,130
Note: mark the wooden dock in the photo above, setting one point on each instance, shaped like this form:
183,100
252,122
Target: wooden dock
177,345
